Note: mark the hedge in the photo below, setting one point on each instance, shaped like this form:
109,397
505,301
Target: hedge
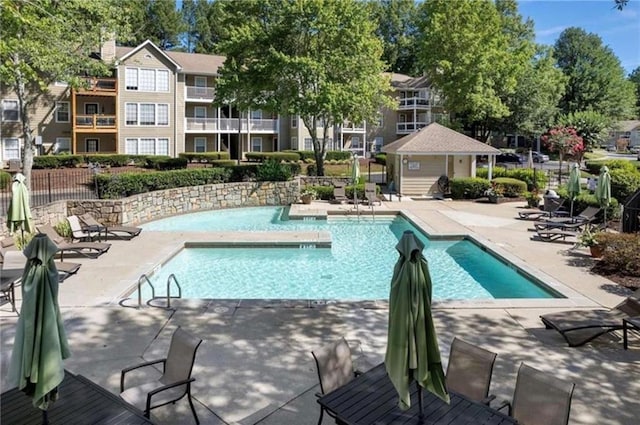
624,183
381,158
109,160
621,254
468,187
274,170
511,187
5,180
593,167
326,192
310,155
278,156
524,174
165,163
57,161
114,186
585,200
206,157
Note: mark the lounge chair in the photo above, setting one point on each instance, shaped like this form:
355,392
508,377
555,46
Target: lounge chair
120,232
588,215
581,326
540,398
553,235
88,249
371,194
175,382
16,260
80,234
469,371
335,368
537,214
339,195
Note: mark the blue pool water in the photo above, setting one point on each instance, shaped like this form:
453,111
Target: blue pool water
358,266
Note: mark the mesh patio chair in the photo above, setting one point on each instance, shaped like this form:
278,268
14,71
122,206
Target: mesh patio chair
79,233
88,249
175,382
469,371
335,368
540,398
120,232
370,192
339,195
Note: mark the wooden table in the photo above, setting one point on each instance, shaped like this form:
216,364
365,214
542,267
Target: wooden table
629,322
372,399
80,401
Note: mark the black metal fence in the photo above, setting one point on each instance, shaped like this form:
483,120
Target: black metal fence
631,214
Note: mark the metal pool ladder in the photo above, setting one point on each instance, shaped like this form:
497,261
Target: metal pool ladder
172,278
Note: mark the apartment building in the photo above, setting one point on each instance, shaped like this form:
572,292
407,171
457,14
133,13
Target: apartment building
160,103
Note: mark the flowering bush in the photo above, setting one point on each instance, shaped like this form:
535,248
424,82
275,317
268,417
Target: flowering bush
495,190
564,140
309,192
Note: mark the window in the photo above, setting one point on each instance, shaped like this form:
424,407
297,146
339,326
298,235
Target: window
131,78
200,144
91,145
380,122
131,146
147,146
294,143
90,108
62,111
377,144
308,144
256,115
200,111
131,113
63,144
294,121
147,79
162,147
10,110
355,142
256,144
11,148
147,114
163,114
201,85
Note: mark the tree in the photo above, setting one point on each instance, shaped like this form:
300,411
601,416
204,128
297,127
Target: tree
201,22
620,4
396,28
565,141
591,126
316,59
596,79
155,20
474,52
44,42
634,77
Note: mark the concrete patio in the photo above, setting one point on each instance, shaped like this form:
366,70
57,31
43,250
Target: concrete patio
255,365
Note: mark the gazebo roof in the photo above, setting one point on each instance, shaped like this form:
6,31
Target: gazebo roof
436,139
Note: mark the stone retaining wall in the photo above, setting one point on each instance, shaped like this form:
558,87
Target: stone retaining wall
153,205
323,181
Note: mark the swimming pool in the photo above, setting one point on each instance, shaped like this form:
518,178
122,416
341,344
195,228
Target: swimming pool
358,266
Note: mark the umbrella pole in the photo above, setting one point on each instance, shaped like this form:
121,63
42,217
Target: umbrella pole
420,407
45,418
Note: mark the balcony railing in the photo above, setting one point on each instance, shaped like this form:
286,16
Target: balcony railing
413,102
95,122
199,94
349,127
228,125
409,127
99,85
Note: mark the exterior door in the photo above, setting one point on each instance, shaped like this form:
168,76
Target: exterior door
91,145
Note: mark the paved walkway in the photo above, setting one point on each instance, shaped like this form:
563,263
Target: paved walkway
255,364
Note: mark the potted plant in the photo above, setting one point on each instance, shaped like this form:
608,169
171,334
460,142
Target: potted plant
589,238
533,198
308,195
494,193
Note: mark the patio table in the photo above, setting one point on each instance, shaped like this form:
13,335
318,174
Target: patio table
80,401
372,399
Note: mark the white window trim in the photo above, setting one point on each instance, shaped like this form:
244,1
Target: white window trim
157,141
155,82
256,114
86,144
16,109
200,108
259,141
155,115
68,111
294,121
195,144
59,139
200,88
4,147
294,143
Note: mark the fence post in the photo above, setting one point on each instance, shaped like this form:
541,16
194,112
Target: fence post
49,187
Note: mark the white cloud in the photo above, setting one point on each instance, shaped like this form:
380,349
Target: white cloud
551,31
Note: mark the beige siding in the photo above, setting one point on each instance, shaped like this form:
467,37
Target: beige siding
461,166
422,181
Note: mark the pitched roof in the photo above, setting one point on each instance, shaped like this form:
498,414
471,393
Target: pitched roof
189,63
153,47
438,139
627,125
402,81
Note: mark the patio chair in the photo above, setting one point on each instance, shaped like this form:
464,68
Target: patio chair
16,260
578,327
371,193
335,368
537,214
540,398
175,382
553,235
80,234
339,195
88,249
587,216
469,371
120,232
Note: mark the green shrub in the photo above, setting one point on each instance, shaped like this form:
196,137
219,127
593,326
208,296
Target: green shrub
322,192
243,172
223,162
57,161
381,158
108,160
331,155
468,187
205,157
160,162
510,187
585,200
624,183
114,186
5,180
278,156
593,167
524,174
274,170
621,254
63,228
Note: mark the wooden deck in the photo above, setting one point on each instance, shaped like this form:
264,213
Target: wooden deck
80,401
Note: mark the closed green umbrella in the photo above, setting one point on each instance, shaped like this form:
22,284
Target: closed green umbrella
573,185
603,190
355,176
19,214
412,346
40,343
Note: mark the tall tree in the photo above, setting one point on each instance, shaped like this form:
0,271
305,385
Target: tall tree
318,59
634,77
591,126
163,24
201,19
47,41
596,80
396,28
474,53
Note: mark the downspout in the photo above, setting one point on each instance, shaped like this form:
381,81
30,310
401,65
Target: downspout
175,115
490,172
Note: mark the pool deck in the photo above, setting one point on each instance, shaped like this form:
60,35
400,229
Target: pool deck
255,364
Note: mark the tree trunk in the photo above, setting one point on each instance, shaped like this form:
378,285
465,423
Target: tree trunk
27,134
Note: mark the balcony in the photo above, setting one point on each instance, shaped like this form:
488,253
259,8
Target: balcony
99,87
409,127
349,127
94,122
413,103
230,125
199,94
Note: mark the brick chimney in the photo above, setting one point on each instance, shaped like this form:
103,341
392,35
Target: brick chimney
108,49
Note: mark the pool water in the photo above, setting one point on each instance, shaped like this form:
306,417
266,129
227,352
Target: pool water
358,266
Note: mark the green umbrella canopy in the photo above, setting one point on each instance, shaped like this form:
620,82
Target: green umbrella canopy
603,188
19,213
40,343
412,346
573,185
355,170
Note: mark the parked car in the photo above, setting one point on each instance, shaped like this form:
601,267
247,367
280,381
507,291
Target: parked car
634,149
612,148
539,157
508,158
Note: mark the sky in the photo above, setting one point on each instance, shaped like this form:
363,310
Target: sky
620,30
